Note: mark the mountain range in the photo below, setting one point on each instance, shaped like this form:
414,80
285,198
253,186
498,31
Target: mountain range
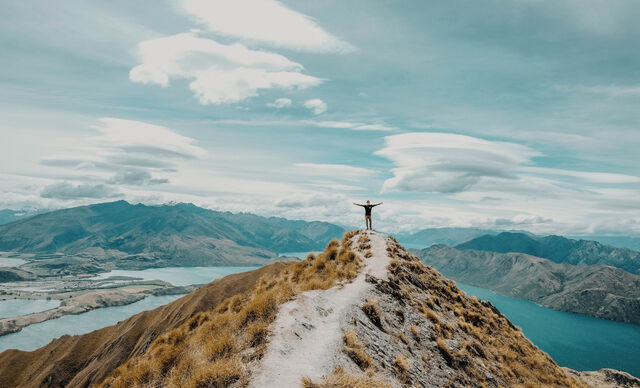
136,236
449,236
452,236
599,291
558,249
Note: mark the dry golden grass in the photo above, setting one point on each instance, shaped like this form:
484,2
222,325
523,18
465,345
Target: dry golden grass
364,243
363,239
432,316
403,365
372,311
444,350
340,379
416,332
212,348
219,374
354,350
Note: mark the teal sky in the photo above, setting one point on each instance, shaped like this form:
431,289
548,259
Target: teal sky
493,114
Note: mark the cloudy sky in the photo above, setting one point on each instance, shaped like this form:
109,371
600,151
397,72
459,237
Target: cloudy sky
498,113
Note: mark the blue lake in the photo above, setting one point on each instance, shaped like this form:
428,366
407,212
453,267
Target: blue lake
40,334
179,276
34,336
575,341
16,307
9,262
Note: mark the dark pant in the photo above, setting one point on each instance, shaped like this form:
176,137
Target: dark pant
367,221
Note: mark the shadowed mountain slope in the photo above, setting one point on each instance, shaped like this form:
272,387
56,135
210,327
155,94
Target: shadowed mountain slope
558,249
146,236
450,236
599,291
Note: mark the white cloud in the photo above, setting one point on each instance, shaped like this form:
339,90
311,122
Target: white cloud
354,126
598,177
280,103
373,127
144,138
68,191
335,170
447,163
311,200
316,105
219,73
136,177
123,152
612,90
264,21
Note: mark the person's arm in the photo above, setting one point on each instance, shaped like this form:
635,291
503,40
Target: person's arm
357,204
378,204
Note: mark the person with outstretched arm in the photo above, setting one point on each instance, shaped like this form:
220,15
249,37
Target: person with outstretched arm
367,212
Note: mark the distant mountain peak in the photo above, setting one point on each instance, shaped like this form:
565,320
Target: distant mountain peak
558,249
182,234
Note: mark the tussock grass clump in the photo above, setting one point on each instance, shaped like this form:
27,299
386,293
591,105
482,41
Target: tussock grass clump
340,379
354,350
416,332
219,374
364,243
444,350
399,313
372,311
432,316
403,365
212,348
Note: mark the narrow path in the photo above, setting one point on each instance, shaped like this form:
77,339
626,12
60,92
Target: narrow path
307,333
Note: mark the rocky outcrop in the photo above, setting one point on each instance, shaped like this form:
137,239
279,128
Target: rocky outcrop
606,378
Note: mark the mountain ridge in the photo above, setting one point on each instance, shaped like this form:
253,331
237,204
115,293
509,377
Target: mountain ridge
558,249
181,234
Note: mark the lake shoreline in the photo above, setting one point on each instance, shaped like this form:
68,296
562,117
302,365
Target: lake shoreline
95,299
574,341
